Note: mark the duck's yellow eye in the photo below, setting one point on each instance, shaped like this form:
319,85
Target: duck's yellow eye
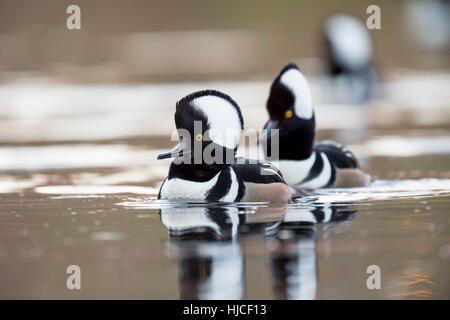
288,114
199,137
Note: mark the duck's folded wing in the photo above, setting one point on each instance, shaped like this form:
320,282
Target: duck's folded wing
341,157
257,171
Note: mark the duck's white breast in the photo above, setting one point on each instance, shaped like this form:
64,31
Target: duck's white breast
180,189
295,171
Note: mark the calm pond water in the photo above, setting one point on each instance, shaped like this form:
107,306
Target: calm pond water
87,197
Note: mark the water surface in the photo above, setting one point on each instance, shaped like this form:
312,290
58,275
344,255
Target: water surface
79,188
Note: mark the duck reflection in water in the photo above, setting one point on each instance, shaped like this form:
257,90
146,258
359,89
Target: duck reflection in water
207,242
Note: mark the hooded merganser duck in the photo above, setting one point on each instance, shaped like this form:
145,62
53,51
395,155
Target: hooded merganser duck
348,55
303,163
210,125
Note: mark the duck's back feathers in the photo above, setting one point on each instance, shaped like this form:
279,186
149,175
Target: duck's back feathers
257,171
340,156
262,182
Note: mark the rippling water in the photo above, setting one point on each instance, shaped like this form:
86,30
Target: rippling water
90,200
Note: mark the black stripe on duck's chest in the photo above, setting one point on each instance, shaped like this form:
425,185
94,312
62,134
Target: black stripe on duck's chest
222,186
319,214
318,167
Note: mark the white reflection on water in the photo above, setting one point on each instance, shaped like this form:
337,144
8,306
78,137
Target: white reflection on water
42,112
55,157
396,146
383,190
377,191
73,156
204,241
208,270
89,191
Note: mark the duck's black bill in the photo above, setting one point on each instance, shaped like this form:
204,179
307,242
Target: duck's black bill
267,131
168,155
177,151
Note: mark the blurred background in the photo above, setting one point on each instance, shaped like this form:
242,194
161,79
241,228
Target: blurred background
157,51
117,79
161,41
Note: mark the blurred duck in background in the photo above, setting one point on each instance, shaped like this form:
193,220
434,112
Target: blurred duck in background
350,75
304,163
428,24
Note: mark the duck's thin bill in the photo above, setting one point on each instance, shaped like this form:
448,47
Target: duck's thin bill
177,151
270,130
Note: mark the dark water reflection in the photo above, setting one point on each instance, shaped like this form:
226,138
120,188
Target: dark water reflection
207,244
133,247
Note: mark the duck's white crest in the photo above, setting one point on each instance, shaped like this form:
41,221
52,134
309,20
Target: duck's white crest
350,41
223,120
296,82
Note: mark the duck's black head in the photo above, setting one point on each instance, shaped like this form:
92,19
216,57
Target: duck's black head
291,112
209,125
